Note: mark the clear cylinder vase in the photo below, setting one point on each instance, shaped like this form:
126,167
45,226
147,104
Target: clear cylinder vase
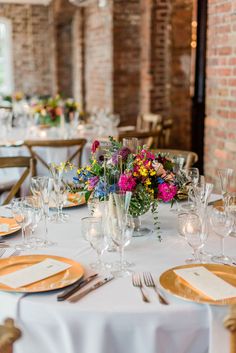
139,230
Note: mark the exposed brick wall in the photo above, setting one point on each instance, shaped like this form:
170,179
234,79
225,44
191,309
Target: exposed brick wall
160,57
180,112
98,41
220,124
126,52
31,47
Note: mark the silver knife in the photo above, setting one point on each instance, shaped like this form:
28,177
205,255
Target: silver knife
75,287
87,291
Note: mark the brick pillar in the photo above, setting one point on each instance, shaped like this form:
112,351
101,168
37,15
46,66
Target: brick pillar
220,123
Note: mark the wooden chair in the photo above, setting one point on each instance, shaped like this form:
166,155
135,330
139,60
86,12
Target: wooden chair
166,133
148,138
148,122
8,335
190,157
16,162
230,324
78,143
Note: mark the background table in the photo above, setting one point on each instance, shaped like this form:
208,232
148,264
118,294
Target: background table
113,319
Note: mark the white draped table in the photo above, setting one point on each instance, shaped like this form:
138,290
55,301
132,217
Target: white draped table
114,319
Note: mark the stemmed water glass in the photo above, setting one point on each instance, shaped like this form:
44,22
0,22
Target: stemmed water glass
178,170
33,202
23,216
92,230
195,232
41,186
60,195
222,223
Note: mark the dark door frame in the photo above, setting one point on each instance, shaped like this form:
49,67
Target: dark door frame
198,100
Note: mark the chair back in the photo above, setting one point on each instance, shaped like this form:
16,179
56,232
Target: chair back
148,138
148,121
28,163
8,335
166,133
190,157
77,143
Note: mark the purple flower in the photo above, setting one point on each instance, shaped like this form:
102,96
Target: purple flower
123,153
92,182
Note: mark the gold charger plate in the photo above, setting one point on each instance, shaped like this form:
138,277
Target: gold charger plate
74,200
182,289
14,227
57,281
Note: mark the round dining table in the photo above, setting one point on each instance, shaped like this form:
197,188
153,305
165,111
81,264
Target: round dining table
114,318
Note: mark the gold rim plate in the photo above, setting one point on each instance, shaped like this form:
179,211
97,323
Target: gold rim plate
175,285
74,200
14,227
57,281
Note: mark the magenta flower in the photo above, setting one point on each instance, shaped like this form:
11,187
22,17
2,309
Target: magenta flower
166,192
95,146
126,182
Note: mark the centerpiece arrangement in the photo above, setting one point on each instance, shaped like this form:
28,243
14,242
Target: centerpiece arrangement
114,167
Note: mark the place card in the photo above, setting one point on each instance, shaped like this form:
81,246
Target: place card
207,282
4,228
34,273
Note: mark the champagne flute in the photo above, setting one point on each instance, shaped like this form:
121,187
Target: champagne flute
222,223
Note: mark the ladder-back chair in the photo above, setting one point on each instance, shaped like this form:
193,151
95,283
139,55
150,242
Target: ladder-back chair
190,157
77,153
28,163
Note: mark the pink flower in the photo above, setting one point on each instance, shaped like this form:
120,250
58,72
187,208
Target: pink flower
95,146
166,192
126,182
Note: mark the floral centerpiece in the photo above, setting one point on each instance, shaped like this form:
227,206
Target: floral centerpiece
149,176
49,111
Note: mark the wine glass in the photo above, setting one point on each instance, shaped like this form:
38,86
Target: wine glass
225,175
95,235
23,217
195,233
222,224
60,195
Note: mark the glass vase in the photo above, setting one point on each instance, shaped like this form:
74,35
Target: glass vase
140,230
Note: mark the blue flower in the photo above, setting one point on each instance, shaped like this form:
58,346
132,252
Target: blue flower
160,180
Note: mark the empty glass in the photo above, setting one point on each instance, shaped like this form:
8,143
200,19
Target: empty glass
222,223
23,216
231,208
225,178
93,231
195,233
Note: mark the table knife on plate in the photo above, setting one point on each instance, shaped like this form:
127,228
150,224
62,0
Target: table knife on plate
87,291
75,287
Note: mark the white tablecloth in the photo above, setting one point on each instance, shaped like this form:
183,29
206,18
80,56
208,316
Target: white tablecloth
113,319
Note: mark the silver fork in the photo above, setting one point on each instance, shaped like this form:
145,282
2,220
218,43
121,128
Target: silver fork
137,282
149,282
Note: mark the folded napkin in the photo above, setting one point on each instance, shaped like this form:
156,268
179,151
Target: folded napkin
219,337
9,305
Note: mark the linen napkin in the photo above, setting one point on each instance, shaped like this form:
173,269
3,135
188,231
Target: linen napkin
219,337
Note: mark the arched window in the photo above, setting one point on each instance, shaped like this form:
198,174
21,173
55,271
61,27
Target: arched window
6,72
